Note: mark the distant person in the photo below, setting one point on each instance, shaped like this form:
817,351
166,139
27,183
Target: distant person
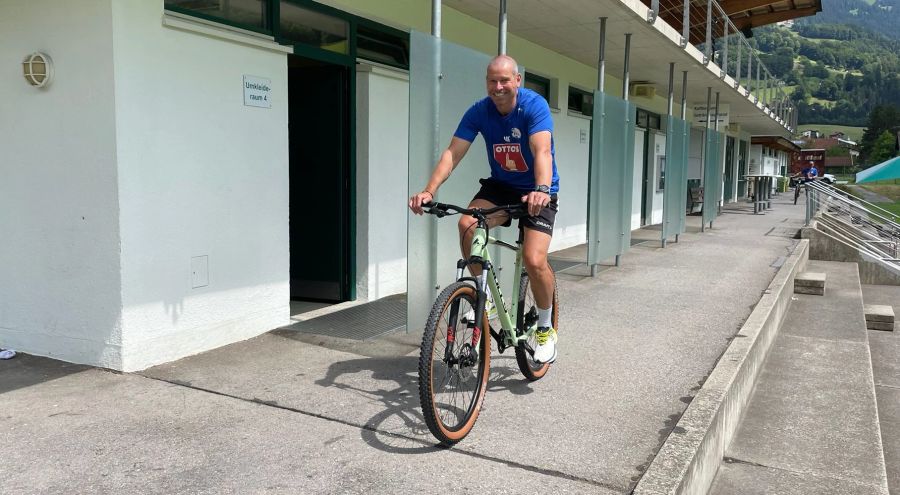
812,172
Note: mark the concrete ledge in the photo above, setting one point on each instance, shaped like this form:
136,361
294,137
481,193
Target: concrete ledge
810,279
880,325
690,456
827,244
816,291
879,312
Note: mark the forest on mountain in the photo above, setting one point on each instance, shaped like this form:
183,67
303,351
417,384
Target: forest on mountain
836,73
841,66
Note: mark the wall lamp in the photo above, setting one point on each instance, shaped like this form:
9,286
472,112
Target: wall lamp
38,69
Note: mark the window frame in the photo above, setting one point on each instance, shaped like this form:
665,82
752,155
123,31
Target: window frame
584,95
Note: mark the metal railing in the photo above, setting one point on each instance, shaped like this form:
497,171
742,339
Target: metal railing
868,228
707,26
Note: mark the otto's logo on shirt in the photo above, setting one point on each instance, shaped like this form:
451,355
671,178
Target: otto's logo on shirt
510,158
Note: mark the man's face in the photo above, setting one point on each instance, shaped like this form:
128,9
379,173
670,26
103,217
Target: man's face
502,84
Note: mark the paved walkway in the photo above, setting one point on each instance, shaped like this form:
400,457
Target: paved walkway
293,413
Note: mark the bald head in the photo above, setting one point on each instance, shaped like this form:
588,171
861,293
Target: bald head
503,81
504,63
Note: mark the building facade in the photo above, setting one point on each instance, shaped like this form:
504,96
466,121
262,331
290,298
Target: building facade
192,167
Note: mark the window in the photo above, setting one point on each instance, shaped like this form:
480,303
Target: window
309,27
250,14
648,120
581,101
538,84
384,47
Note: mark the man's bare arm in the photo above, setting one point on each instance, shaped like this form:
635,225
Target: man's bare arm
448,162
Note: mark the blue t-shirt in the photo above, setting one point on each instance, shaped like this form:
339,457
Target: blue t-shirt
813,171
506,137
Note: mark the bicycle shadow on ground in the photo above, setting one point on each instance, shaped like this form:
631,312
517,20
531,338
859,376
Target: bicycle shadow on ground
400,427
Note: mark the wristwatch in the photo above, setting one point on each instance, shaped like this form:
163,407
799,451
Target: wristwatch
542,188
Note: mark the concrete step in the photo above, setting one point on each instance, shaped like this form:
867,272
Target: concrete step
811,425
885,349
810,283
879,317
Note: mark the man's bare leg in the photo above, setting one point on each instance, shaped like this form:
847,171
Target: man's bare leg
467,226
534,253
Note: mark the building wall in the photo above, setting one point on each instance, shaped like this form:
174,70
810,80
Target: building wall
201,178
59,258
382,123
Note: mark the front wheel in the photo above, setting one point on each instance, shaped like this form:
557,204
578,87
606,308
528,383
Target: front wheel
526,318
454,364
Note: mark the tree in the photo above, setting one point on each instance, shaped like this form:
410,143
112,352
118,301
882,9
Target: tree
884,118
884,148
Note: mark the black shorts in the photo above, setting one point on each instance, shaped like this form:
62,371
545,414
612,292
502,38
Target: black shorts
500,194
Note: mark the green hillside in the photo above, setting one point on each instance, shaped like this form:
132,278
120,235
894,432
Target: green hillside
853,133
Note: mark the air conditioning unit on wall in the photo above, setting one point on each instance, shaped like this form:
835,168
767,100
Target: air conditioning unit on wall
643,90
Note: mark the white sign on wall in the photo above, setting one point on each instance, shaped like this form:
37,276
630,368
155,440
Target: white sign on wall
257,92
700,114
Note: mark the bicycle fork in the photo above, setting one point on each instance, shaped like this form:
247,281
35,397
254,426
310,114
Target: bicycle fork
470,356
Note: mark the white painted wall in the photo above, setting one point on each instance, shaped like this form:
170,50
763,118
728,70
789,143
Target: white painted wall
637,178
200,174
658,149
572,163
382,123
59,256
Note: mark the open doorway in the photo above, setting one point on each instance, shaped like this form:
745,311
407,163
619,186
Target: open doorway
320,169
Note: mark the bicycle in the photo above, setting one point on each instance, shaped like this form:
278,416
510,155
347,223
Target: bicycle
454,359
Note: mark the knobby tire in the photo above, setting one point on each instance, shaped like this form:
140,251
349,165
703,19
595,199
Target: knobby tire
451,418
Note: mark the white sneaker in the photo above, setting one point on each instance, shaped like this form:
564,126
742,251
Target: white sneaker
545,349
469,317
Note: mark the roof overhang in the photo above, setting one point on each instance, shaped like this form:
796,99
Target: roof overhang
776,142
573,29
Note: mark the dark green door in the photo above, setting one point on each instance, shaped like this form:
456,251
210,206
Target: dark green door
319,179
729,169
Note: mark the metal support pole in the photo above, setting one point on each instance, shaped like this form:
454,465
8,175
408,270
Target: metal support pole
686,24
435,123
671,86
501,41
669,109
436,18
625,74
749,68
725,52
716,129
756,84
684,95
601,66
654,11
716,119
706,151
707,52
737,66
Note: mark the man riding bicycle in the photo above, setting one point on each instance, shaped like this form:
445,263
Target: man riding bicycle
518,134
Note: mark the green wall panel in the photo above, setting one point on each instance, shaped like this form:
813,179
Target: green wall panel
611,173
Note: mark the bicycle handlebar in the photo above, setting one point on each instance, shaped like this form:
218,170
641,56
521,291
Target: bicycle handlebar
443,209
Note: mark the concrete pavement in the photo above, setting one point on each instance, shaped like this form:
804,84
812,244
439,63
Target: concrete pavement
293,413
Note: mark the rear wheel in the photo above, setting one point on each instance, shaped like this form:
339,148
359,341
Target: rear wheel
528,311
454,364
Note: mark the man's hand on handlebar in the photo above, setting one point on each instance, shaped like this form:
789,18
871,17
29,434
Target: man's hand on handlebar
417,200
535,201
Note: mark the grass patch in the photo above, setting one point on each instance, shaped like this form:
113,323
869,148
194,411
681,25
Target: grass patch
887,190
894,208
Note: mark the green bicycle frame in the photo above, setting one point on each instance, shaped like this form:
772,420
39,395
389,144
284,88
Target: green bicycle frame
488,281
